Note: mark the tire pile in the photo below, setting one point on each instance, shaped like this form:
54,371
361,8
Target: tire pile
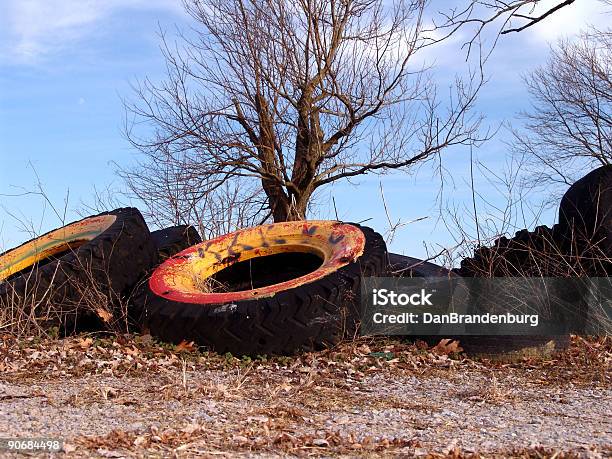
272,289
579,245
539,252
304,287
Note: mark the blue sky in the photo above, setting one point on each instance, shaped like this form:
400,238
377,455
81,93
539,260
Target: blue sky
65,64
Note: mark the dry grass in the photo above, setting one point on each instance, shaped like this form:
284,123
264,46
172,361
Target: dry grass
545,252
44,309
208,284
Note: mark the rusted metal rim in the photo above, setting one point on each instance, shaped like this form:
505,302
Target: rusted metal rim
53,243
182,278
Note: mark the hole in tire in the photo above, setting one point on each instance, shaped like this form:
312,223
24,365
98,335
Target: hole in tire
264,271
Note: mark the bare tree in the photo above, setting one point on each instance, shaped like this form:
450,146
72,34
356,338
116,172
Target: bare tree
502,16
176,193
283,97
569,127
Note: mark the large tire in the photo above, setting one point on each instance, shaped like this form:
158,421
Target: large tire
579,246
314,310
404,266
168,242
514,348
585,218
172,240
80,271
540,253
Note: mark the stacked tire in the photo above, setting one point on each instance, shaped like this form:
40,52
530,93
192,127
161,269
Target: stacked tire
579,246
78,275
286,287
273,289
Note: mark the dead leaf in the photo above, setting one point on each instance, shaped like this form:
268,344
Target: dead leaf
85,343
69,448
320,442
258,419
447,346
104,315
133,351
145,338
191,428
185,346
364,349
140,440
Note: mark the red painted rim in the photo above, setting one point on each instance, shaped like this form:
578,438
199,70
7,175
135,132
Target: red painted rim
340,243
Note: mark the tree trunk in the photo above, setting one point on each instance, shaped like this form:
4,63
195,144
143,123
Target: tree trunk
286,207
278,201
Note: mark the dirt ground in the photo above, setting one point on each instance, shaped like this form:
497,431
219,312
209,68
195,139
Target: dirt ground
133,397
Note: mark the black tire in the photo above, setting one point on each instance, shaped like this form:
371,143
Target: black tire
527,254
170,241
514,348
308,317
585,219
403,266
108,265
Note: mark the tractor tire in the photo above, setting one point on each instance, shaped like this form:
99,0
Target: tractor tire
409,267
272,289
585,218
540,253
170,241
81,271
509,349
403,266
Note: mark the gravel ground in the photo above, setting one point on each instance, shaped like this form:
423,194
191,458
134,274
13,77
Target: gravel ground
339,403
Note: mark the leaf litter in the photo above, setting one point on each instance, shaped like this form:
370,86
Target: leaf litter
130,396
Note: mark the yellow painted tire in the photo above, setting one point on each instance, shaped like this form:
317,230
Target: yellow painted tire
101,255
284,287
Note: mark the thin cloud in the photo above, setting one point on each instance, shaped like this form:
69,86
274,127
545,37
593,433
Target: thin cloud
570,20
33,29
